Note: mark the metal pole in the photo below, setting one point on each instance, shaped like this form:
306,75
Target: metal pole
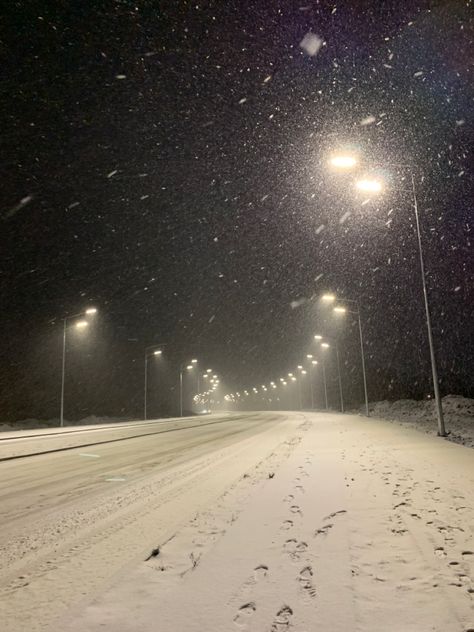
63,375
439,406
299,389
339,376
325,385
311,384
363,362
181,392
146,384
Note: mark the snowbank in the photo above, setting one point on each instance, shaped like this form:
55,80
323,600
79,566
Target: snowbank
421,415
34,424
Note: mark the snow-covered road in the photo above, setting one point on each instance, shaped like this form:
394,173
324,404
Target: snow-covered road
293,522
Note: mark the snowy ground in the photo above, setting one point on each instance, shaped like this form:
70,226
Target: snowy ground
334,523
458,414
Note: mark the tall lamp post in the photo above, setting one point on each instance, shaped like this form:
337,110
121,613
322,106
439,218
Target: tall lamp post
182,368
155,351
340,309
374,186
338,364
312,363
80,324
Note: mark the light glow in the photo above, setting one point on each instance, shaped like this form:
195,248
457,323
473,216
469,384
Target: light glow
328,298
81,324
91,311
343,161
340,310
369,185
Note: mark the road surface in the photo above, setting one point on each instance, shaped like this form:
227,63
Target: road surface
71,518
263,522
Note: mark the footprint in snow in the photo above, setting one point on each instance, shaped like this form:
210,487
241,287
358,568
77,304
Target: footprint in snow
440,552
244,614
282,619
260,572
296,510
334,514
323,530
286,525
305,581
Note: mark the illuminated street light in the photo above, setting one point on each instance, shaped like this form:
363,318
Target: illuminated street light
309,356
208,370
325,345
369,185
194,361
339,309
328,298
79,325
155,351
182,368
343,161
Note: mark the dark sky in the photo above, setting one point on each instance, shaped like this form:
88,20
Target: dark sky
165,161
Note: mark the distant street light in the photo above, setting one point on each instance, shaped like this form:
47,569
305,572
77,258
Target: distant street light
339,309
80,324
182,368
369,185
336,345
328,298
157,352
343,161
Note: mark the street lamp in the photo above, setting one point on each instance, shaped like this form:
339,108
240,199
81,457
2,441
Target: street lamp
336,345
182,368
369,185
343,162
156,352
375,186
311,365
340,309
80,325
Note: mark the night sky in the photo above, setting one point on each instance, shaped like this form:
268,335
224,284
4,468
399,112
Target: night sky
166,162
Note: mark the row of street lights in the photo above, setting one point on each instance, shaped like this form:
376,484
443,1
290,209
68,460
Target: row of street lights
153,351
340,307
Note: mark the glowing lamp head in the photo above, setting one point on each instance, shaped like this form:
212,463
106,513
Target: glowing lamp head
189,367
91,311
157,352
369,185
81,324
314,362
343,161
328,298
317,337
325,345
309,356
340,310
194,361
